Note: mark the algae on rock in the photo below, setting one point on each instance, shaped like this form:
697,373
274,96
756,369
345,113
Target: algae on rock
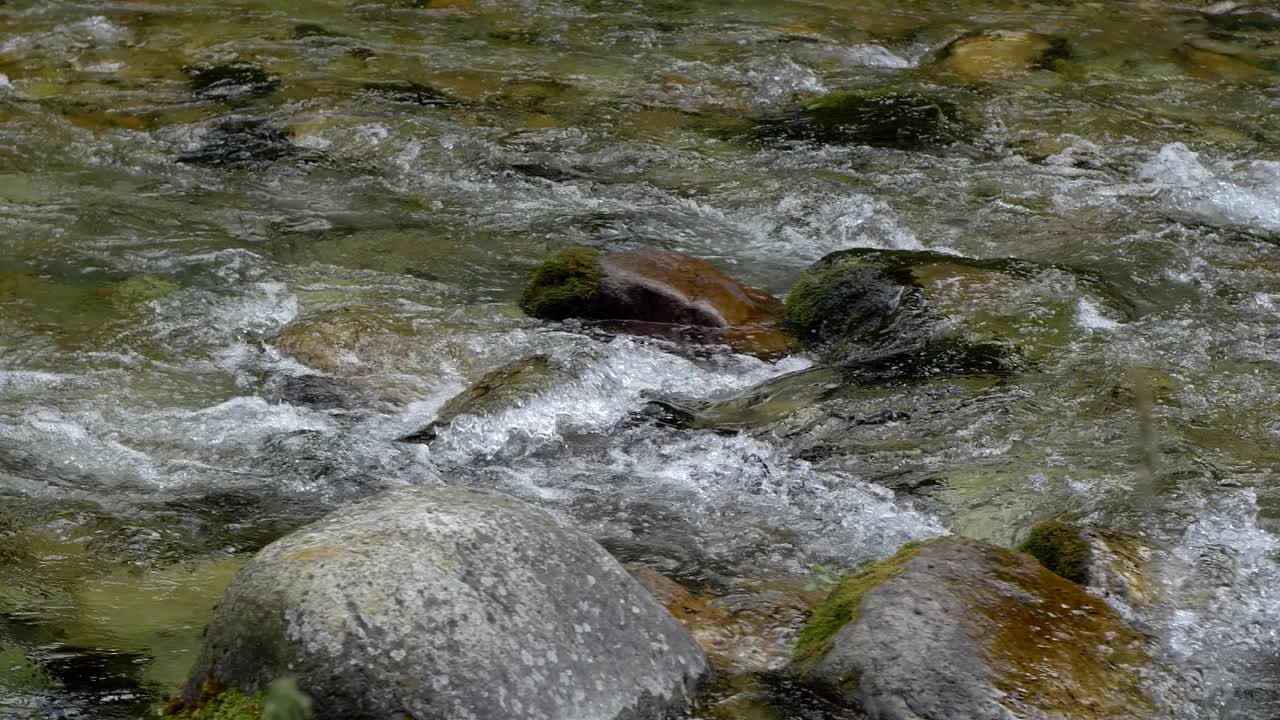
1061,548
959,628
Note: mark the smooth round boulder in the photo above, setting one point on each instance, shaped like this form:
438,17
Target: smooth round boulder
656,292
444,604
956,628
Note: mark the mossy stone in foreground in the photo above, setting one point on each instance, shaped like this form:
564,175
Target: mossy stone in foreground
956,628
1060,548
564,285
841,606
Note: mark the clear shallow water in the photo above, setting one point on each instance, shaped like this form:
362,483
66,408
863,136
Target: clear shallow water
145,448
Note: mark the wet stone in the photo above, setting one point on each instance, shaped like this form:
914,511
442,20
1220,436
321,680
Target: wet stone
242,141
956,628
440,603
319,392
506,387
988,55
658,293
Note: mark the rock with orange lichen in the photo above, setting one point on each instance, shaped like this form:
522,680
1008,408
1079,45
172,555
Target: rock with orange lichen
957,628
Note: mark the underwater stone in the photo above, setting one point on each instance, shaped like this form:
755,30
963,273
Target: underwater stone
509,386
988,55
956,628
872,306
241,141
1243,16
230,81
447,603
899,120
409,93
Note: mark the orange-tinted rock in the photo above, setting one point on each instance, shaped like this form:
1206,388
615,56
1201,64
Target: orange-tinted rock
657,292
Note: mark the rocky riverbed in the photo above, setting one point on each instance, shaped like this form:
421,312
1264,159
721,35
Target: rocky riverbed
801,313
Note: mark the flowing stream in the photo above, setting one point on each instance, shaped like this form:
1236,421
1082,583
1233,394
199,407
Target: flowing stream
366,197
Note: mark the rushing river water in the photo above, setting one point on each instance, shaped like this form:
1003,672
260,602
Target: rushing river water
395,170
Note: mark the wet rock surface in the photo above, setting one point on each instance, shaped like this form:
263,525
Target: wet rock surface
656,292
958,628
240,141
506,387
506,612
230,81
988,55
874,306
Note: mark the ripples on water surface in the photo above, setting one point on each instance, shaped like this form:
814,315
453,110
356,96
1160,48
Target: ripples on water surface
392,179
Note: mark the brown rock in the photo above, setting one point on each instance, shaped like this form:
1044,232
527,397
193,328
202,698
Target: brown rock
656,292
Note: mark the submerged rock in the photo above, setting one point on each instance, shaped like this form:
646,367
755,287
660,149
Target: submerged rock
1216,64
242,141
904,121
230,81
508,386
1061,548
347,341
1243,16
409,93
885,307
956,628
988,55
655,292
447,603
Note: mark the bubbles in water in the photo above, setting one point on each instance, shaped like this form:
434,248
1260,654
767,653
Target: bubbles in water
1222,603
1225,193
602,391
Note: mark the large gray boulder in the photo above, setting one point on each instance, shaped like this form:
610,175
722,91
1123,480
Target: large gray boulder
448,604
956,628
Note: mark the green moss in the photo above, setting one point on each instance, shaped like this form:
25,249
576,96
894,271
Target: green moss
563,285
1091,669
225,705
843,604
1060,548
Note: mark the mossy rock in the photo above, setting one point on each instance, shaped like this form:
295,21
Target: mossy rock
855,302
565,285
959,628
888,119
1061,548
842,606
991,55
656,292
222,705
